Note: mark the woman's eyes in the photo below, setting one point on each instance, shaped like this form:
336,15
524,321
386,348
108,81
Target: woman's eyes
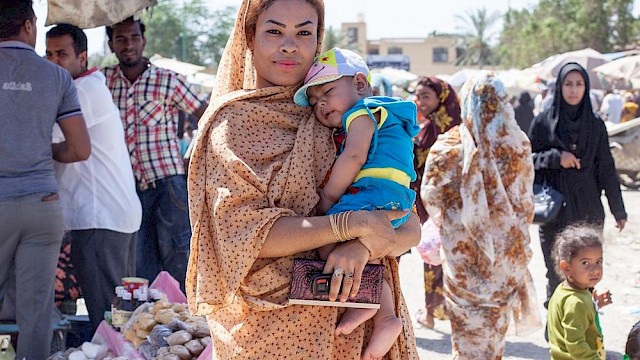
278,32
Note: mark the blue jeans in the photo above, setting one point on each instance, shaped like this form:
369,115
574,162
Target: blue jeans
165,232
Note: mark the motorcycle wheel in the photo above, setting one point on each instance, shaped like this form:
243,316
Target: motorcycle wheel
630,180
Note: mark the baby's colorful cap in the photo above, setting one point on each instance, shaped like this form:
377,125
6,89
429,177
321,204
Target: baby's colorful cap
329,66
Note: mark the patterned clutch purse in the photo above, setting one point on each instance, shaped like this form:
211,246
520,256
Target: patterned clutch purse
309,286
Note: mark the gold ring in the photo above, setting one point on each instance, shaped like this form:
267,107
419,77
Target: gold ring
337,272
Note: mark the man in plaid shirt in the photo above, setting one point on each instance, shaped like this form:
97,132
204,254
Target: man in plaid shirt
149,99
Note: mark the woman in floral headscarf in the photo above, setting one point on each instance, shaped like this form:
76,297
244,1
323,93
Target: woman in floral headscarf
438,104
477,186
257,163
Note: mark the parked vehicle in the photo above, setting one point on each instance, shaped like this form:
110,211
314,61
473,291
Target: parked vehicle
624,142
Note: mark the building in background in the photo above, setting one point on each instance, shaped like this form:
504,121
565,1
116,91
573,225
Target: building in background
422,56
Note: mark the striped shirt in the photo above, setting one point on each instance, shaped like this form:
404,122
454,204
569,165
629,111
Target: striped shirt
149,111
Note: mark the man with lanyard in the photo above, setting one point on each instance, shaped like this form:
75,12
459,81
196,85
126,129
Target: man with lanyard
101,209
149,99
34,95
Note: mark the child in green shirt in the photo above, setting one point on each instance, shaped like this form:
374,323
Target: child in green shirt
572,320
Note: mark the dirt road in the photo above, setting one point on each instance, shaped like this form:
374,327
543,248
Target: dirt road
621,276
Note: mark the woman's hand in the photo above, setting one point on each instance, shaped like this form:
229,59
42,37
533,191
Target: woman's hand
375,232
349,258
568,160
620,224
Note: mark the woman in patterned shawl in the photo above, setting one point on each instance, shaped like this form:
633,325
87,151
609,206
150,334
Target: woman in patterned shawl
477,186
257,163
438,103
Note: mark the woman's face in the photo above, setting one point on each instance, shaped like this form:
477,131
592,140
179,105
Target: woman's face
285,43
573,88
426,99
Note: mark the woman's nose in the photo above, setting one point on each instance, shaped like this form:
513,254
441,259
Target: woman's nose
289,46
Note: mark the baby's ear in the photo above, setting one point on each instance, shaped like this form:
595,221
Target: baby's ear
361,82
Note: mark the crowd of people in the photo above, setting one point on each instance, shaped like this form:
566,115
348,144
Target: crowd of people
296,157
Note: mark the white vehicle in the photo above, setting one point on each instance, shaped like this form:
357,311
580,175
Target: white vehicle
624,142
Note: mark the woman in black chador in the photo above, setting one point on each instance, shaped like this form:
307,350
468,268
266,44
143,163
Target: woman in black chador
571,153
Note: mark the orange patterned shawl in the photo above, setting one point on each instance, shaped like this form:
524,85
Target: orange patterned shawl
259,157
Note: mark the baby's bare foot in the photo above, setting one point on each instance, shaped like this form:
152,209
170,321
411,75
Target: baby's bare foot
352,318
385,332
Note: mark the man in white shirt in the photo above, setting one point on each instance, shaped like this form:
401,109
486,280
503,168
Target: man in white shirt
538,100
611,108
101,209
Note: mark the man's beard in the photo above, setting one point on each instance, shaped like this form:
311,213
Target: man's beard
132,63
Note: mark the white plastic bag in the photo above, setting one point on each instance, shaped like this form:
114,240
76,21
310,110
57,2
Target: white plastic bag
89,14
429,246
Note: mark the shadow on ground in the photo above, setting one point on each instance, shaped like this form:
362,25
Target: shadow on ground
520,350
526,350
441,345
612,355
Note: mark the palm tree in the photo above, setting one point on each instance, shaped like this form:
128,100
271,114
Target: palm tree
476,35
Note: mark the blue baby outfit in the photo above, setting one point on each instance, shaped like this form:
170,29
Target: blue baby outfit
383,181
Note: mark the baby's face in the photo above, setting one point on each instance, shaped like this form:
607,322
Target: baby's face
331,100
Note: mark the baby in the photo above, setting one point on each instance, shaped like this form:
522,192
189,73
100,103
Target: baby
374,167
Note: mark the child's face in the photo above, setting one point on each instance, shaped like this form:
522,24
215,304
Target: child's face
331,100
585,268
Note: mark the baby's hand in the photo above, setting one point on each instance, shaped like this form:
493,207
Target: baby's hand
603,299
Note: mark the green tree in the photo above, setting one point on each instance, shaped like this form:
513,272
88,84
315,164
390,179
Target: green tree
556,26
332,38
102,60
336,38
188,31
477,33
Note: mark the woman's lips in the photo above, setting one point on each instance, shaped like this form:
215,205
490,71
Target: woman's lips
286,64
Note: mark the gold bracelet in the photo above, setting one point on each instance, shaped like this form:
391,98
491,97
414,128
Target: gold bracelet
346,225
340,226
343,226
334,227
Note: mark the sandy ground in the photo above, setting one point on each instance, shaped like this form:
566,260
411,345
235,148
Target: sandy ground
621,276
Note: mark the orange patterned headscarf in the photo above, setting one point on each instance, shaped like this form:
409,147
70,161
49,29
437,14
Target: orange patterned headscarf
257,157
478,184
